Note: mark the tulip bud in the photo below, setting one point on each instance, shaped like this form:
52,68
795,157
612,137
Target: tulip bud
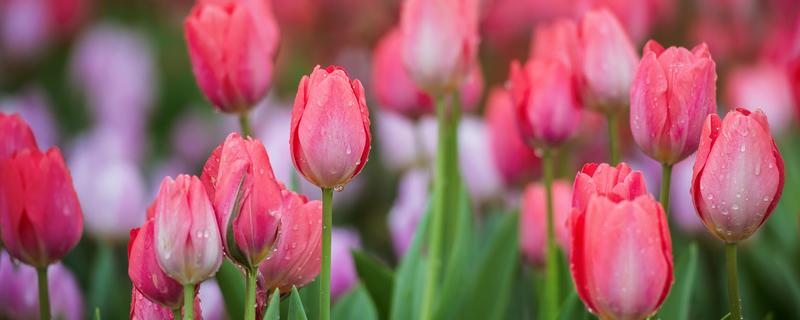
232,45
533,225
144,309
241,185
18,295
738,176
330,138
515,160
188,244
673,91
440,41
621,258
608,61
617,183
40,217
146,274
547,101
296,259
16,135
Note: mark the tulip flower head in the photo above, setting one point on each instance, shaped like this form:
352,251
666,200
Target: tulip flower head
738,176
330,138
515,160
620,182
16,133
146,274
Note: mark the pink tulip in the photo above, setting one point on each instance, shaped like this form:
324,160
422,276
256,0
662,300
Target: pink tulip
296,259
144,271
764,85
616,183
232,45
440,41
343,269
16,135
515,160
144,309
533,231
19,294
33,107
673,91
481,176
621,258
187,242
40,217
28,27
330,138
637,16
399,141
608,61
558,40
239,170
408,208
738,176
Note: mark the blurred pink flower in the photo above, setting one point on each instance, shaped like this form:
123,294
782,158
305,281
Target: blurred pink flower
213,307
478,168
765,86
32,106
408,208
19,296
638,16
28,27
343,270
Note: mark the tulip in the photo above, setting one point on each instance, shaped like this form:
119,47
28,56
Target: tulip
144,309
330,138
673,91
533,233
408,208
16,135
559,41
18,295
480,173
638,17
513,158
620,182
765,85
440,42
143,268
232,45
621,258
239,181
29,27
738,176
211,298
32,106
343,270
398,138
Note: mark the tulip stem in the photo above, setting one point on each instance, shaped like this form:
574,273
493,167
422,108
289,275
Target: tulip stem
250,294
733,282
44,294
176,313
188,302
325,286
244,123
613,148
550,303
666,176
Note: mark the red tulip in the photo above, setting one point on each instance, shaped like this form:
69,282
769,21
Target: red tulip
145,272
533,225
672,93
188,244
330,138
617,183
515,160
296,259
40,217
239,169
144,309
232,45
17,135
621,258
738,176
440,41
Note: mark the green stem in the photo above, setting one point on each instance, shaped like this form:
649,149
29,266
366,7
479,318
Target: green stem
733,282
250,295
44,293
550,303
325,276
613,148
176,313
244,123
188,302
666,176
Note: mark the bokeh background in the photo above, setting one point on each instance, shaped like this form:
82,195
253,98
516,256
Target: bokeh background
110,83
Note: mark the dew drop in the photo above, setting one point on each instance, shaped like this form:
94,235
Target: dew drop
339,188
735,207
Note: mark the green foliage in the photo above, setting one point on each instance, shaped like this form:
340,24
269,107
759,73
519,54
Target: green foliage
355,305
296,310
679,303
378,281
274,308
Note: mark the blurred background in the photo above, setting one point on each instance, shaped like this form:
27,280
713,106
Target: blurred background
110,83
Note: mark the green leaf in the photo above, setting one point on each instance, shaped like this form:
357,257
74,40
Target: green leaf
726,317
233,249
458,263
679,302
296,310
103,278
573,308
274,307
309,294
231,283
378,281
410,276
355,305
96,313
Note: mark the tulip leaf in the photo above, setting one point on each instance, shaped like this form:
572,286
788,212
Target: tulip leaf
104,281
356,304
727,316
231,284
274,307
410,276
573,308
679,302
378,281
458,265
309,294
233,249
296,310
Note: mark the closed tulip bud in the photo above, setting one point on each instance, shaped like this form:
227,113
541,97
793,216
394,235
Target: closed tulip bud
146,274
738,176
621,258
187,241
232,45
17,135
618,183
440,41
241,185
608,61
330,138
515,160
40,217
533,225
673,91
296,259
547,101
